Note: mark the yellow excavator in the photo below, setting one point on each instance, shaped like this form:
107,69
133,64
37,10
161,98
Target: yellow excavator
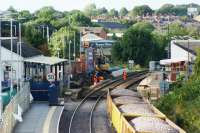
102,67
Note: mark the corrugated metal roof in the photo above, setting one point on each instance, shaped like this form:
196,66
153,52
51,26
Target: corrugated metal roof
27,50
188,45
45,60
90,37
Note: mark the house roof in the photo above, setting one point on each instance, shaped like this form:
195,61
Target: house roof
45,60
112,25
190,46
90,37
170,61
91,29
27,50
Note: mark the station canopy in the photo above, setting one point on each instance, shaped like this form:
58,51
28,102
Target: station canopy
174,60
45,60
90,37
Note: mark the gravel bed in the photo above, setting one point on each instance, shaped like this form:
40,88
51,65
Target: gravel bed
139,109
127,100
152,124
124,92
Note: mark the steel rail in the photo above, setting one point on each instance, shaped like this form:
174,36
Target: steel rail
111,84
101,96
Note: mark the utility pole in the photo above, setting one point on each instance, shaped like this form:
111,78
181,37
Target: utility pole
18,69
11,45
80,45
47,34
64,45
20,53
169,41
43,31
188,65
1,102
69,75
74,46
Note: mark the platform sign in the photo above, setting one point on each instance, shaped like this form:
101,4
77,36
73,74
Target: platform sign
51,77
90,59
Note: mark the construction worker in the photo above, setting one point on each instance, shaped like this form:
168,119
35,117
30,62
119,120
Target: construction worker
124,74
95,79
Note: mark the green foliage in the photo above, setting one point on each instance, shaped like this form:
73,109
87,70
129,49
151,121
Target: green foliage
197,64
113,13
116,49
25,15
141,10
45,15
179,10
33,36
176,29
144,26
102,11
128,23
182,104
59,42
136,40
166,9
79,19
123,11
90,10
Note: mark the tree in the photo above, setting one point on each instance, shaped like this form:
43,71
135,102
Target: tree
79,19
113,13
116,49
25,15
166,9
123,11
144,26
45,15
177,29
12,12
142,10
90,10
136,40
33,36
59,42
102,11
197,64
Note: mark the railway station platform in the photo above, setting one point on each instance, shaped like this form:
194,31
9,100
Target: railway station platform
40,118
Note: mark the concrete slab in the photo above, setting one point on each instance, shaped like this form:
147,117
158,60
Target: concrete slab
39,119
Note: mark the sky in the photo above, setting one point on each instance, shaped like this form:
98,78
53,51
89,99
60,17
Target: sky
67,5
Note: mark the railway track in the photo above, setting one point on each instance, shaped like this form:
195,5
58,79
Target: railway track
86,124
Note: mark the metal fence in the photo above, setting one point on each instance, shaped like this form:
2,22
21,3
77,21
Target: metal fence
22,98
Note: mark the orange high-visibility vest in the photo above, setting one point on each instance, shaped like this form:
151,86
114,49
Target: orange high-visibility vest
124,75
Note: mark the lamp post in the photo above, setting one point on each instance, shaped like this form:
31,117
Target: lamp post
69,75
188,56
74,46
58,50
1,102
11,48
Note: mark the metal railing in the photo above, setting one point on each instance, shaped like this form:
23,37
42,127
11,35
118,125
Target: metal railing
22,98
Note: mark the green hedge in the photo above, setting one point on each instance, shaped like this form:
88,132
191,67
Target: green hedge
182,105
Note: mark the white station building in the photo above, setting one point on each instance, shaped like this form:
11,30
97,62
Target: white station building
183,54
32,63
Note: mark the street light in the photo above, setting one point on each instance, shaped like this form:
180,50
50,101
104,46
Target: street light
1,102
58,50
69,75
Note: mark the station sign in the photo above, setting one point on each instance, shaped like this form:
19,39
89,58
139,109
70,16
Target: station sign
86,44
51,77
